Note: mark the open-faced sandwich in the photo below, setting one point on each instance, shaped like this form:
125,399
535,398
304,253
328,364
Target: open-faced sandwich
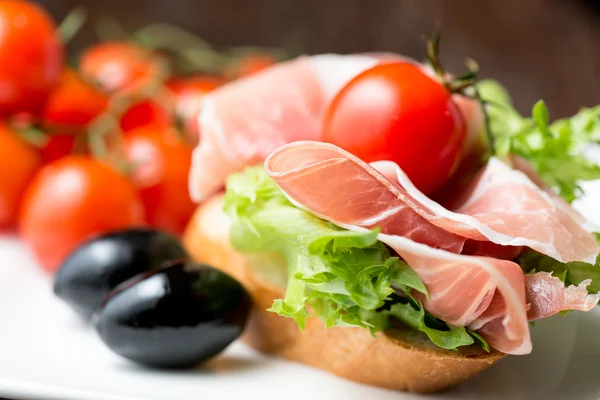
388,230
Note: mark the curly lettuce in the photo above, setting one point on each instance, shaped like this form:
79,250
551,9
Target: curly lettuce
346,278
555,150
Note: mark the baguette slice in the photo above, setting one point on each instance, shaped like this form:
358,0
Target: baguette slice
400,359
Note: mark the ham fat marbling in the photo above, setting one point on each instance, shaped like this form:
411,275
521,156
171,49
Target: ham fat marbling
502,206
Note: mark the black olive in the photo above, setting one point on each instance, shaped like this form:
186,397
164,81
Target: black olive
101,264
176,317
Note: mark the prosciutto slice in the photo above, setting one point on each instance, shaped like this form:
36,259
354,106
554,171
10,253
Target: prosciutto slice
502,205
547,295
465,288
242,122
301,168
487,294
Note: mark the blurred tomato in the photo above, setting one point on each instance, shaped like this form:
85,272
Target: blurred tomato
162,162
57,146
31,56
251,64
121,66
187,97
18,163
144,113
72,199
73,104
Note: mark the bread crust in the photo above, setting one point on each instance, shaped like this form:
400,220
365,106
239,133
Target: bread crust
399,359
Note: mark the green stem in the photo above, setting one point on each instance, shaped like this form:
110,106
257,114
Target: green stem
192,49
107,124
34,136
98,144
461,84
433,48
161,35
72,24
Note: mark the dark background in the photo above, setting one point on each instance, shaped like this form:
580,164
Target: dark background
548,49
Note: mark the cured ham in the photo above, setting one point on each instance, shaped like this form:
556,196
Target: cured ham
242,122
522,165
547,295
464,288
501,206
300,169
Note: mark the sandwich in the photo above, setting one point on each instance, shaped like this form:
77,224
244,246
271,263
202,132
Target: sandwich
366,267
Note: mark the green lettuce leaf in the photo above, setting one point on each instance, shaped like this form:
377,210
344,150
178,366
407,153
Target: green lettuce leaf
347,278
443,336
553,149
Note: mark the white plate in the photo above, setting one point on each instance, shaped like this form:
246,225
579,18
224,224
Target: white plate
47,353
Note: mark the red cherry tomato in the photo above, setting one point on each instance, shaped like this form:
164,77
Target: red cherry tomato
57,146
73,104
72,199
162,162
396,112
31,56
187,97
18,163
146,112
120,66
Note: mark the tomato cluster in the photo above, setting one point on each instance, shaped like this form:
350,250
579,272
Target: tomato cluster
89,149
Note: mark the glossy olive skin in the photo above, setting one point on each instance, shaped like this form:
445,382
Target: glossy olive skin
101,264
174,318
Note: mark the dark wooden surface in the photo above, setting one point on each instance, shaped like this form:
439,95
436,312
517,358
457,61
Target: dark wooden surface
546,49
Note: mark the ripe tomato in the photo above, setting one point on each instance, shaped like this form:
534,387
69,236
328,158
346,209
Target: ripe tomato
57,146
144,113
72,199
73,104
396,112
31,56
162,162
187,97
120,66
18,163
